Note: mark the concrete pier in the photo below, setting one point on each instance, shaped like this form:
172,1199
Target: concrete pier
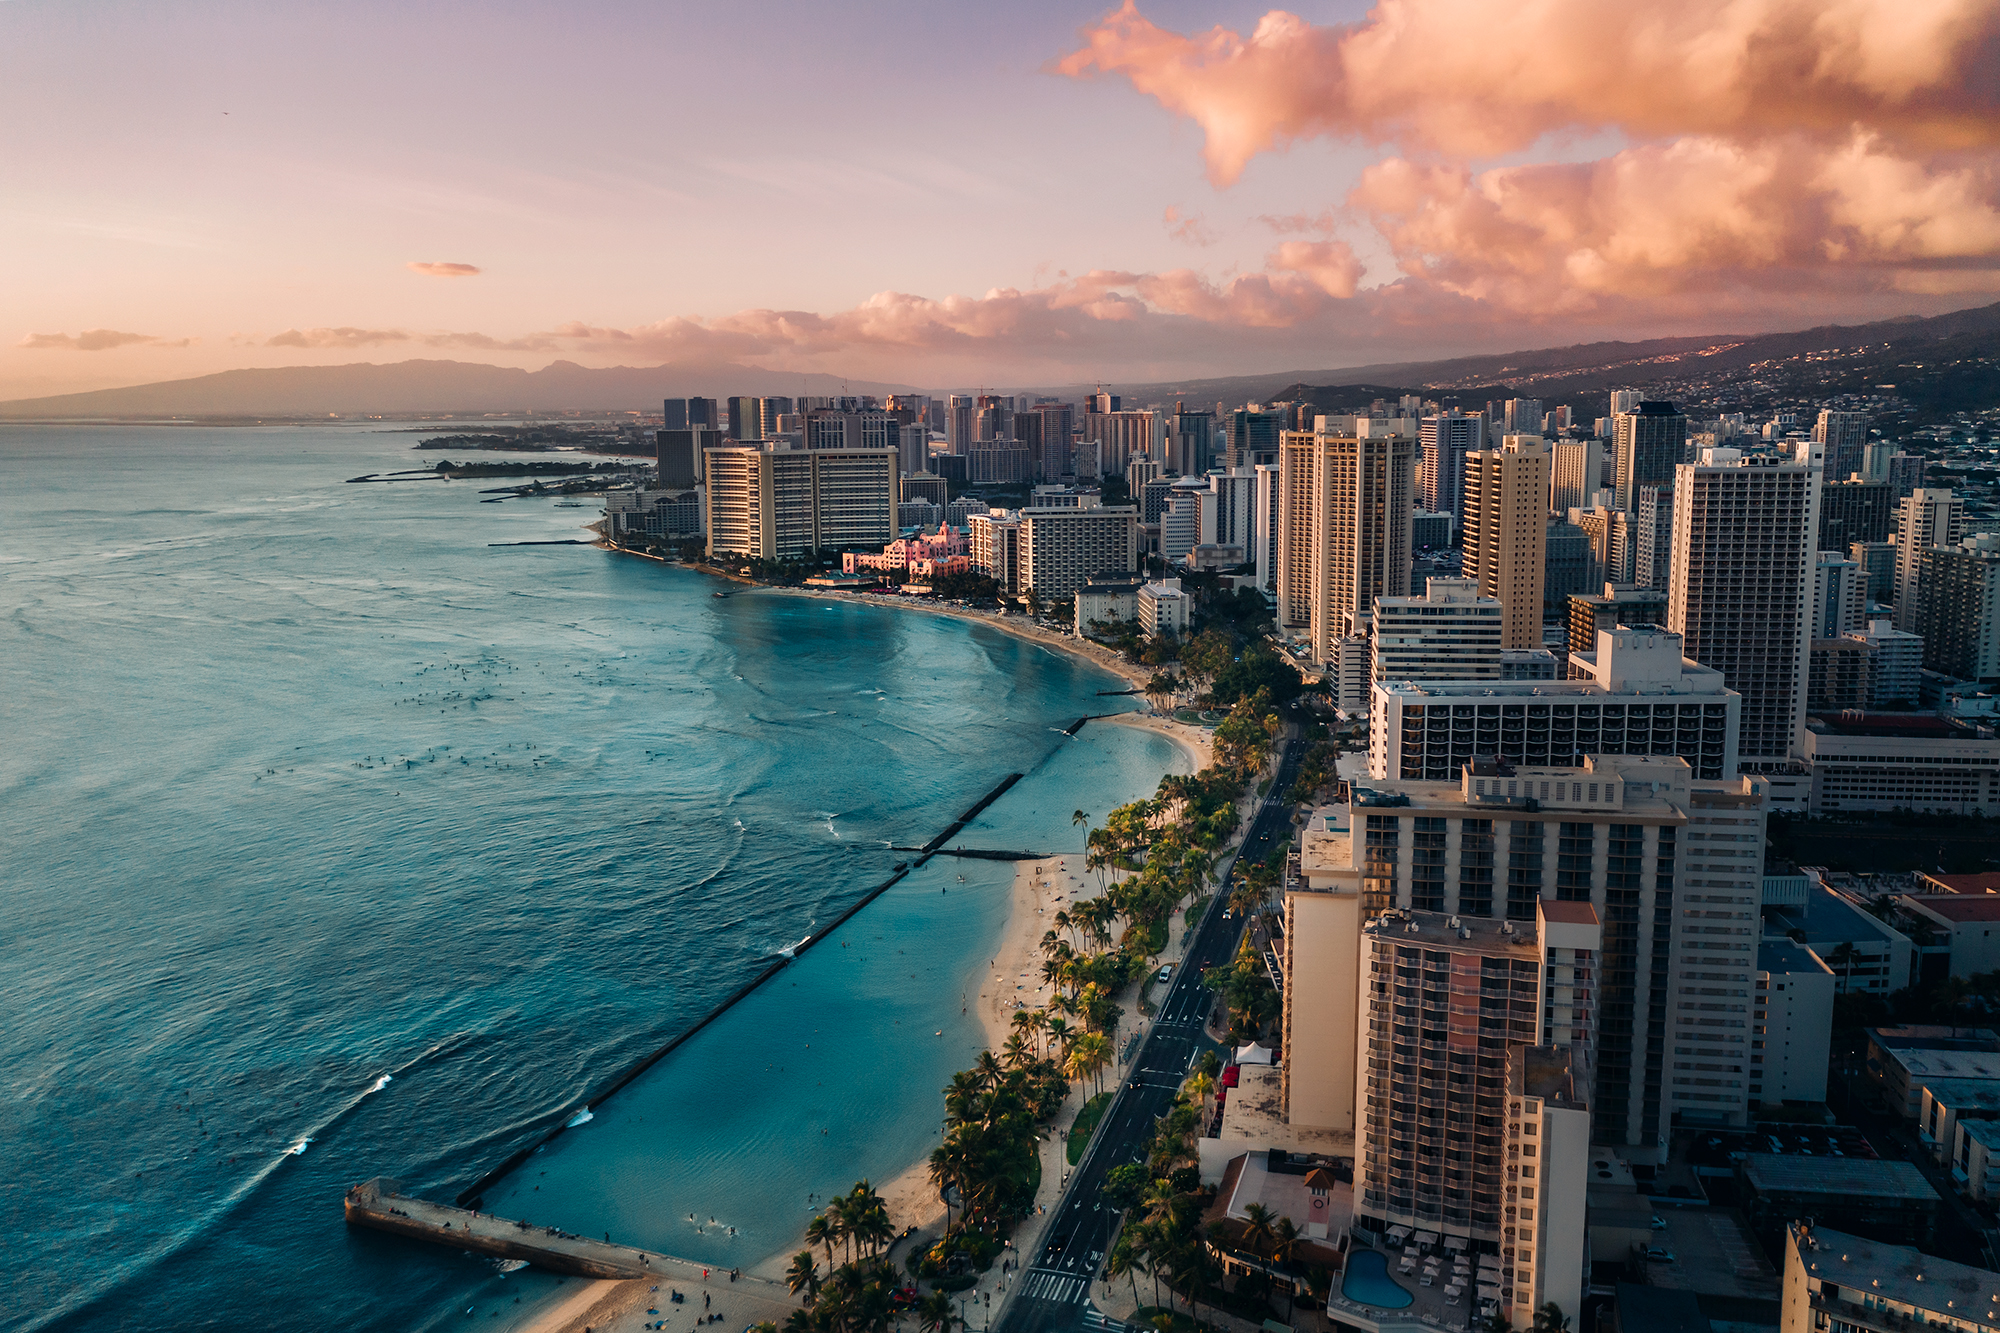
378,1205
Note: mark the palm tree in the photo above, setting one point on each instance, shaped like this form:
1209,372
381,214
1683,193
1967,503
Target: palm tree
987,1069
766,1327
1016,1053
1284,1248
1080,819
935,1313
1059,1033
803,1275
1551,1319
1125,1261
1088,1056
820,1231
1257,1231
803,1321
1199,1087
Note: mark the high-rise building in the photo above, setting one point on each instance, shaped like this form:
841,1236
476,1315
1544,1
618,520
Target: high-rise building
1906,473
924,486
1056,422
1522,416
1348,498
1566,564
1611,545
1853,511
1837,677
1445,440
769,414
1449,633
1647,444
1929,517
1669,869
1619,604
1878,567
1266,500
1062,547
1839,596
1895,664
1845,435
1190,445
674,416
1744,540
1625,400
995,539
1632,693
1653,539
1122,434
704,412
913,447
1574,470
1506,531
680,456
1253,437
746,418
779,504
960,422
1958,614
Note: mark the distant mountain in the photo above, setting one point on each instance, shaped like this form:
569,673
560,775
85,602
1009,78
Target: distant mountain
427,387
1554,373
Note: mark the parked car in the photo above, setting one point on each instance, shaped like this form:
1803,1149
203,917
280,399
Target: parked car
1166,973
1659,1256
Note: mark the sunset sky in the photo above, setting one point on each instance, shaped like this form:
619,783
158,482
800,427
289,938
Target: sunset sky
949,195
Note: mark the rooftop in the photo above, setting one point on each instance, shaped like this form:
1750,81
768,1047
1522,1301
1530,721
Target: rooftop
1768,1173
1934,1037
1907,726
1461,934
1958,906
1899,1273
1829,919
1253,1116
1986,1133
1965,1093
1778,956
1986,881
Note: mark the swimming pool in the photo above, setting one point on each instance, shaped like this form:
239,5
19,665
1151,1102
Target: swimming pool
1368,1281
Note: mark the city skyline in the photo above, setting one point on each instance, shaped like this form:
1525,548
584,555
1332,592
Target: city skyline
222,188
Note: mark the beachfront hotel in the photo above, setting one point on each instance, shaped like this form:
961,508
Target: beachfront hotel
774,503
1347,506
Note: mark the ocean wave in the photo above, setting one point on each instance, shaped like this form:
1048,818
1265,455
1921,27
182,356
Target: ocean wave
582,1117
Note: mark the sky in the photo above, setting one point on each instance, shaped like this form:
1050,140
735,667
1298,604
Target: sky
963,195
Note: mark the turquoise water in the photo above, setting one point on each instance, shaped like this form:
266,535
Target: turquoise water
1367,1280
306,786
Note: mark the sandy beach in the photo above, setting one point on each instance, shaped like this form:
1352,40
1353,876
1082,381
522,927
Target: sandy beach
1012,980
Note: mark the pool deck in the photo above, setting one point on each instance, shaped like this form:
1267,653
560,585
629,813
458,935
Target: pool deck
1427,1308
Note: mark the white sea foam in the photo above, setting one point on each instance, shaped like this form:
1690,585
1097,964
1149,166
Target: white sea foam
299,1149
381,1083
582,1117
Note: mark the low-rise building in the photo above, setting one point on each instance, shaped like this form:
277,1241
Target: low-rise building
1975,1144
1901,1060
1902,761
1889,1200
1949,1102
1864,953
1968,924
1837,1282
1106,600
669,513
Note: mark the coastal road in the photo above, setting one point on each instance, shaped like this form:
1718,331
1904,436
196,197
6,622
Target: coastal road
1052,1293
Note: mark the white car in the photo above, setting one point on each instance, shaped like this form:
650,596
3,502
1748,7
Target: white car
1165,974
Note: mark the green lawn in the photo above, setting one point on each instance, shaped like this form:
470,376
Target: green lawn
1086,1122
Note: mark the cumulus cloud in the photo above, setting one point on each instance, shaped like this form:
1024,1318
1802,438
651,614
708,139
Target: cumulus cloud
1190,229
1471,79
439,269
1782,146
94,340
339,338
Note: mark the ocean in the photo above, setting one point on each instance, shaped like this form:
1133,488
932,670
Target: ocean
337,843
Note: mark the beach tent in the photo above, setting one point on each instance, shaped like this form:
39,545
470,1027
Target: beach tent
1253,1054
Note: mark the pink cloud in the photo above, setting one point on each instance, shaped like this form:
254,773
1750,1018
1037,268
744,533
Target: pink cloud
440,269
1469,78
341,337
94,340
1189,229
